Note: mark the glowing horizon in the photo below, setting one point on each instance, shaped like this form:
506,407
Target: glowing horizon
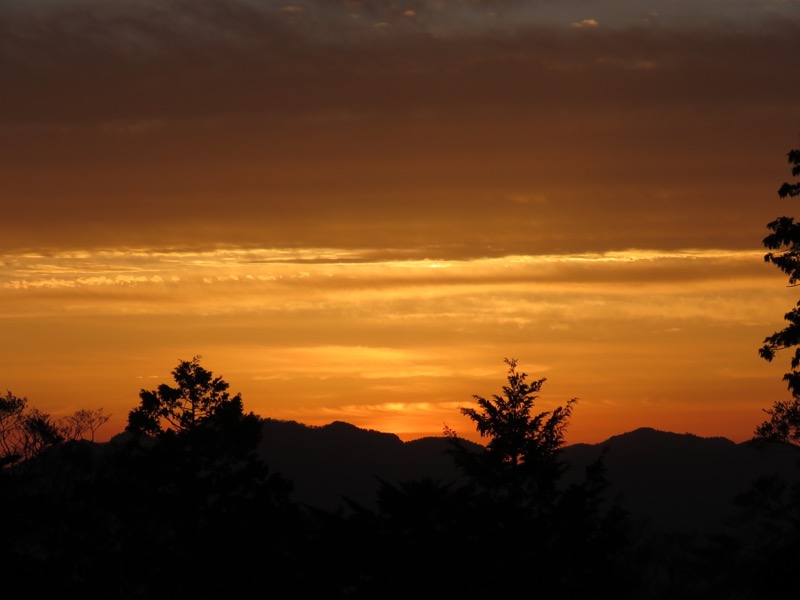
356,210
399,344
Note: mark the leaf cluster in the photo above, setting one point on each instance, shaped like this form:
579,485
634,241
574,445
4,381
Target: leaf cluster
784,422
517,434
24,431
784,245
198,398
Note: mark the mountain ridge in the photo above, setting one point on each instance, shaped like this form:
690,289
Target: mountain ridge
665,480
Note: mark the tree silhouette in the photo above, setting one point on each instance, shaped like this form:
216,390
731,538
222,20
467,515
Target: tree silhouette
784,421
82,422
521,457
199,397
561,535
192,465
784,246
24,431
201,433
517,436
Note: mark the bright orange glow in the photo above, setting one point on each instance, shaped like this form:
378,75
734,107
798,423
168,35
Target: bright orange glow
352,212
640,337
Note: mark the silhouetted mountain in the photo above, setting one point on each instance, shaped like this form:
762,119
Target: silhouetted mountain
329,463
162,505
679,482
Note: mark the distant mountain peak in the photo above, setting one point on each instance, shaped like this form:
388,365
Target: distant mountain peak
652,435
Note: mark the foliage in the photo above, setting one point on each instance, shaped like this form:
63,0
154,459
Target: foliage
82,422
784,422
784,246
203,438
521,458
761,552
785,236
517,436
567,536
24,431
198,398
194,513
174,510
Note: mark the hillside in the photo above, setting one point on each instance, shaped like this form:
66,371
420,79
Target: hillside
679,482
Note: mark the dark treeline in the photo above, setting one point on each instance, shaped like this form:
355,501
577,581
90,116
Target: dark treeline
182,506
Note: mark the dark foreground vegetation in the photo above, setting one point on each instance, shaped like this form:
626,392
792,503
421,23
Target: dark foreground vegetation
182,505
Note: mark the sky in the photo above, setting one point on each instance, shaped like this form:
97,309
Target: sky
355,210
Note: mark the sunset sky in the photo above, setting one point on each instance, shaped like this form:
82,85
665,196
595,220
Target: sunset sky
356,209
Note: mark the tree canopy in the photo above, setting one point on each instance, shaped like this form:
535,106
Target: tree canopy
521,462
518,435
24,431
783,244
198,398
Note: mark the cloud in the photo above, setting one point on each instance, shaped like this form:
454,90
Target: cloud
116,60
585,23
128,63
205,124
518,291
300,191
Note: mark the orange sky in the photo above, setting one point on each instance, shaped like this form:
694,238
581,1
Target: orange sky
355,210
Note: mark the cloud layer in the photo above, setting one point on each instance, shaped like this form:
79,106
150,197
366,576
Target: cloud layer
362,205
269,124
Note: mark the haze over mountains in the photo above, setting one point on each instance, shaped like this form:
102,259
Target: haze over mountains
667,481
